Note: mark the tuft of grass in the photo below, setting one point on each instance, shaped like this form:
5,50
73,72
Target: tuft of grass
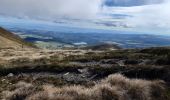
115,87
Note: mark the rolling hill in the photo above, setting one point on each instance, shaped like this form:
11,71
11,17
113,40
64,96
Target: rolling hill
10,40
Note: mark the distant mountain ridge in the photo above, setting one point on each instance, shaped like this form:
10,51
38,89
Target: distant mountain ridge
10,40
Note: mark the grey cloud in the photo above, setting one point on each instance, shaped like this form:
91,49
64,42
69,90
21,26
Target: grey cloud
51,9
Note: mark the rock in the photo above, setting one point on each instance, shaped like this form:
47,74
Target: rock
3,80
121,63
83,70
67,73
10,75
146,62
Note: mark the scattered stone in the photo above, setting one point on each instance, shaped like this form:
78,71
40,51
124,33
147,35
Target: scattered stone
83,70
10,83
121,63
145,62
3,80
10,75
66,73
92,77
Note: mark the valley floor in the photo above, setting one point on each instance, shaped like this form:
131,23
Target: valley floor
133,74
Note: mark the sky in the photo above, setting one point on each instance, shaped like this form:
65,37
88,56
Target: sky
140,15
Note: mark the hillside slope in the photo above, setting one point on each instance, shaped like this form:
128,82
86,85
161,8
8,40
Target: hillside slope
85,74
10,40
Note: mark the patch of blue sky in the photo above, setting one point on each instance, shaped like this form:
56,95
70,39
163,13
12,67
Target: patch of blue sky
10,22
129,3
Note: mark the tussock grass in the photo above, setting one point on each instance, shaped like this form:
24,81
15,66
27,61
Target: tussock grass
115,87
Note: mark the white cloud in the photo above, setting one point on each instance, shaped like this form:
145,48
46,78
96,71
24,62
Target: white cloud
152,16
155,16
51,9
147,16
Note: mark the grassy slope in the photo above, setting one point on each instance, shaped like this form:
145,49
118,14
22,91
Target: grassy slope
46,67
8,38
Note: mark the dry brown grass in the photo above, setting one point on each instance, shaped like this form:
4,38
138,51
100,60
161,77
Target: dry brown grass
15,57
115,87
19,91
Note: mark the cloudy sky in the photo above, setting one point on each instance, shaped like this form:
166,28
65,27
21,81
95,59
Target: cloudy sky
109,14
